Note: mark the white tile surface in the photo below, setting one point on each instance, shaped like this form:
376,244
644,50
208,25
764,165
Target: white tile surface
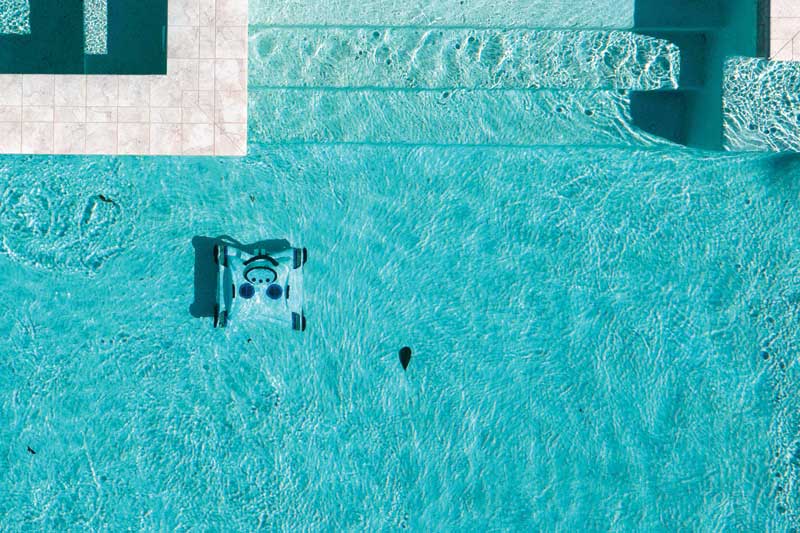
70,114
133,114
183,42
101,138
230,139
38,90
198,108
230,75
102,91
133,138
101,114
37,137
69,138
134,91
165,139
11,89
784,32
10,137
231,42
37,113
10,113
231,13
198,139
70,91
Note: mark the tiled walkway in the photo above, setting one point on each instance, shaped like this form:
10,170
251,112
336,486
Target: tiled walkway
785,30
198,108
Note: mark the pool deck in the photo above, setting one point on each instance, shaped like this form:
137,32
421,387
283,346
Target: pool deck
784,30
198,108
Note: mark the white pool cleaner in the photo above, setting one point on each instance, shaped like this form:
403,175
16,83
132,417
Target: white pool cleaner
263,286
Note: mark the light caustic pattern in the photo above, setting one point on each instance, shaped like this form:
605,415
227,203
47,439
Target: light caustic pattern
603,338
762,105
434,58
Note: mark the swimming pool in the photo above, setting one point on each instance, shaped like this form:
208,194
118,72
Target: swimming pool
604,325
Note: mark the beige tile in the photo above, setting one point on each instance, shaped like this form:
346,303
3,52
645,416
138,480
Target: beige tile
11,89
207,42
183,71
165,139
205,75
101,138
165,115
38,90
230,139
197,139
230,75
165,92
183,13
231,42
70,114
10,137
101,114
231,12
133,139
10,113
198,107
134,91
70,91
780,49
784,8
69,138
133,114
102,91
37,137
183,42
31,113
207,12
189,99
231,106
783,29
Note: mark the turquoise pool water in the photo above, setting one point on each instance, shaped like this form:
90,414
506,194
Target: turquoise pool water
605,326
15,17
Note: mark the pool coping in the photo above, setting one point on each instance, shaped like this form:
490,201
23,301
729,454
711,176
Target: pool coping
784,29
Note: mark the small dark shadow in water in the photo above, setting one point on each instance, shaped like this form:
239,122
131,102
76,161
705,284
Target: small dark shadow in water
784,172
205,270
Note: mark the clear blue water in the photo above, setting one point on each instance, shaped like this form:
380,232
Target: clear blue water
15,17
95,26
605,327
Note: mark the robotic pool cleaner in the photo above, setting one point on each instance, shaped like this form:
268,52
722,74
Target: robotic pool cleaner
259,286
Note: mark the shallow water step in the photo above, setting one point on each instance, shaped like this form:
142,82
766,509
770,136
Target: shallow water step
500,13
518,118
443,58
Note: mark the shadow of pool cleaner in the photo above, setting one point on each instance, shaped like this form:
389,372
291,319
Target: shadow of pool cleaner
256,281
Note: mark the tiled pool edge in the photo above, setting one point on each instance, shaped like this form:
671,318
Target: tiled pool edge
784,30
198,108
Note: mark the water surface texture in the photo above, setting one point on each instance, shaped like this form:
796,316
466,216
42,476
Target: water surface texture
95,26
15,17
461,58
762,103
501,13
605,326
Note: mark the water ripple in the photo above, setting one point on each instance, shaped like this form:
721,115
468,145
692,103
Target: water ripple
461,58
